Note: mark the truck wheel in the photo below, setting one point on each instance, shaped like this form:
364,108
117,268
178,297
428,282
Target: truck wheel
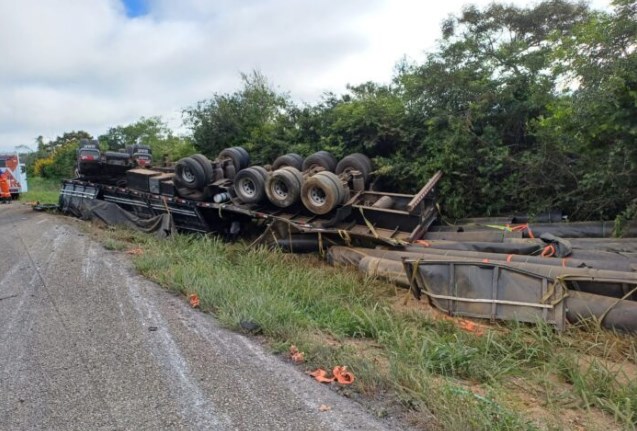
264,173
291,159
322,192
283,187
320,159
206,165
238,160
355,162
245,157
189,174
249,186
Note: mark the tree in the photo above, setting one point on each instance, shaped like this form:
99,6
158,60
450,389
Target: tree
248,118
477,96
148,131
596,120
56,158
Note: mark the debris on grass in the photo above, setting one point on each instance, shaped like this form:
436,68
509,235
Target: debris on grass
340,375
193,299
296,356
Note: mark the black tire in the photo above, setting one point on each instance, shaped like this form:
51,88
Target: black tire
291,159
299,157
116,155
322,192
283,187
235,155
249,186
264,173
189,174
322,159
206,165
245,157
356,162
297,174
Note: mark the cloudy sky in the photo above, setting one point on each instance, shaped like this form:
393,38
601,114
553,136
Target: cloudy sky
92,64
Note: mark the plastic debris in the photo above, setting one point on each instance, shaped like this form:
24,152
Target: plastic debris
297,357
193,298
340,375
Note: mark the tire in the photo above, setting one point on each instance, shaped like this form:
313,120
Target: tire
297,174
291,159
245,157
298,157
357,162
238,160
322,192
283,187
206,165
189,174
322,159
249,186
264,173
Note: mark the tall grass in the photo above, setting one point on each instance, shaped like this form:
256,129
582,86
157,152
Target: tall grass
43,190
455,379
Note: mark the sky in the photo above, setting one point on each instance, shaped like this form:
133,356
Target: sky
94,64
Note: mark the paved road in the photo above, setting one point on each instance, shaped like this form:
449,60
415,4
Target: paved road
86,344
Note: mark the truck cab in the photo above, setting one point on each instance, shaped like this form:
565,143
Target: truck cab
88,157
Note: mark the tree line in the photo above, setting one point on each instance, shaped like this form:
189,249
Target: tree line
523,109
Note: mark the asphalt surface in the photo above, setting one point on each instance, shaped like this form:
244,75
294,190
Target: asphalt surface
86,344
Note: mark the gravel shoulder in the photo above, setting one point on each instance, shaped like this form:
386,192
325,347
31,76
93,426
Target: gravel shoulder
85,343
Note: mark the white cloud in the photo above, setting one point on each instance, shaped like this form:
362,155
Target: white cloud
82,64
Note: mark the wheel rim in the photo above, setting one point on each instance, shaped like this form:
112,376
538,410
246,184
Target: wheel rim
188,176
280,189
317,196
247,187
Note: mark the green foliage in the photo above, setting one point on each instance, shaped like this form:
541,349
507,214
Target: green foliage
253,118
55,159
148,131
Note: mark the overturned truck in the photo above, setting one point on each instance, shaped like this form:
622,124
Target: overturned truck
497,268
298,201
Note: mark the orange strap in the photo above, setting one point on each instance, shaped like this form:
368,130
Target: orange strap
521,228
509,258
422,242
549,251
341,375
321,376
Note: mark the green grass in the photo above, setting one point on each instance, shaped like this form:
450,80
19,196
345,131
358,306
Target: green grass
452,379
43,190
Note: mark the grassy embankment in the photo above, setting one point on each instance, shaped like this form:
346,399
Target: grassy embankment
43,190
511,377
